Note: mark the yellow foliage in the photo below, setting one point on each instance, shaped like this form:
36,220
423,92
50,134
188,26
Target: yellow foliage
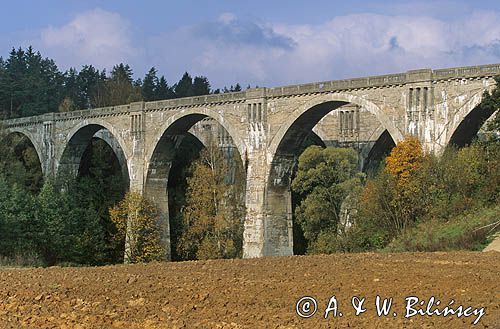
213,214
405,158
138,221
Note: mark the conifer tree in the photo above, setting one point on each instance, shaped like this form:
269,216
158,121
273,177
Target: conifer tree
149,85
184,88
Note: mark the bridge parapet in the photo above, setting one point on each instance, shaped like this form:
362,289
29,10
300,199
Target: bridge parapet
387,80
411,76
196,101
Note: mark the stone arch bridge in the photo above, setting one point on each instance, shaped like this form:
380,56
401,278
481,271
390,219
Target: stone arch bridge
269,128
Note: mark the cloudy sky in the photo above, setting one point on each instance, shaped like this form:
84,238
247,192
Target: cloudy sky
258,42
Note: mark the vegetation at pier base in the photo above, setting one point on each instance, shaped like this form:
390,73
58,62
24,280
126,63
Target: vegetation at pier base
213,214
139,219
415,202
324,179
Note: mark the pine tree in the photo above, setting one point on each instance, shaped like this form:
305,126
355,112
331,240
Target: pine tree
184,88
119,88
162,90
149,85
4,90
31,84
201,86
89,81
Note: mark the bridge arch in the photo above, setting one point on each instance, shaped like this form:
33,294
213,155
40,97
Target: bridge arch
185,119
34,141
162,154
374,153
18,142
284,149
79,137
467,121
323,104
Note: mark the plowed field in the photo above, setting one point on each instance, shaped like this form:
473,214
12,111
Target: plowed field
259,293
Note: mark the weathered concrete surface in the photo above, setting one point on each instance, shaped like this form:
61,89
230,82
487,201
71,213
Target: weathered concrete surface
269,127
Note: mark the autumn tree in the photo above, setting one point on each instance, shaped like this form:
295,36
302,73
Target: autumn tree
395,195
390,201
214,211
405,158
138,221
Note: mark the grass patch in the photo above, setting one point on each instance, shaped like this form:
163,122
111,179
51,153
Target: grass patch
472,231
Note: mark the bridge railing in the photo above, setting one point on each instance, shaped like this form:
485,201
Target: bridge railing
467,72
389,79
333,85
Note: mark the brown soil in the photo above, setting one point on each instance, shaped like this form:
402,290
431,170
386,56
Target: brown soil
255,293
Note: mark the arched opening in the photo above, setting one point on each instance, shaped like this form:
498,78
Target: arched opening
166,182
70,160
470,126
377,151
93,171
20,162
355,127
331,123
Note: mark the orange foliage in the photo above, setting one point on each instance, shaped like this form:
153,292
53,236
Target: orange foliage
405,158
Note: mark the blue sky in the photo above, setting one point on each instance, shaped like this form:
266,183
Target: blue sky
265,43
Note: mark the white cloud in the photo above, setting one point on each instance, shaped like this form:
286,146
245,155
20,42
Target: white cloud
231,50
95,37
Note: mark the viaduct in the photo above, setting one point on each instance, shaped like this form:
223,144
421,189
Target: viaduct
268,128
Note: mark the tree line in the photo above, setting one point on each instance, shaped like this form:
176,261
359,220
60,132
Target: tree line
31,85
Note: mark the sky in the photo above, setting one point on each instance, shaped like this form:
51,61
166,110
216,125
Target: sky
265,43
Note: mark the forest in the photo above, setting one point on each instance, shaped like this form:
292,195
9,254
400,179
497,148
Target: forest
31,85
412,202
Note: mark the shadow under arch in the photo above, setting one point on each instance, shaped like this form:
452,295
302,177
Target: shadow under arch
5,133
174,148
309,114
17,145
68,164
184,120
285,148
472,117
377,152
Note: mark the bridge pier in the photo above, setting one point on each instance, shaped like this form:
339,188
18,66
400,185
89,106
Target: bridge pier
268,224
